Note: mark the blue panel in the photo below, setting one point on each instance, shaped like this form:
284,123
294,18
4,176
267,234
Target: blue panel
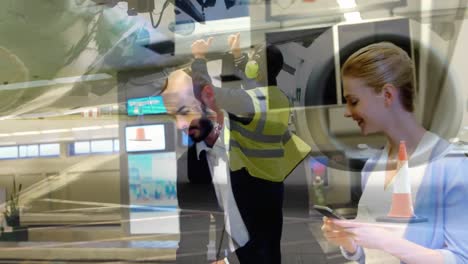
146,106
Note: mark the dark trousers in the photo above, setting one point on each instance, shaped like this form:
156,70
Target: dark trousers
198,203
260,204
195,236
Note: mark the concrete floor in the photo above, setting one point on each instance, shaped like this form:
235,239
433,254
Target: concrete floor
302,243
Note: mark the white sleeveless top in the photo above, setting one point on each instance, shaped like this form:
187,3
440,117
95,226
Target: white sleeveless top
376,201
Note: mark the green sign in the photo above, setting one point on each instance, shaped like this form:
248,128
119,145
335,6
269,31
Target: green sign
146,106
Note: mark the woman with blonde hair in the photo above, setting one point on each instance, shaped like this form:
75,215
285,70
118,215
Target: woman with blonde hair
379,90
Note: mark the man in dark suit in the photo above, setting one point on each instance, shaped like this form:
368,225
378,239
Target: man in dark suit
198,203
203,191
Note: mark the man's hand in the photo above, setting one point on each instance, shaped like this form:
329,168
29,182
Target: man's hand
234,45
219,262
200,47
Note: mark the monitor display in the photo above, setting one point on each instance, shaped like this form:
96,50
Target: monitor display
153,193
145,138
146,106
203,11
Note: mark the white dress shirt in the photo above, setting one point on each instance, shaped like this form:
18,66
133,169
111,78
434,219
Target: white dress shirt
217,158
376,200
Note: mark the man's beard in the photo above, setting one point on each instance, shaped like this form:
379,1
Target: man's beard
205,126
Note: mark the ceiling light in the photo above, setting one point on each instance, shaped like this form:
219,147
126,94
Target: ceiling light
362,146
66,80
347,3
54,131
55,140
353,16
27,133
86,128
11,143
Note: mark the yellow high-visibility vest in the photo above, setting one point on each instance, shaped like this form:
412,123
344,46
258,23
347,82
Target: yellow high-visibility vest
265,147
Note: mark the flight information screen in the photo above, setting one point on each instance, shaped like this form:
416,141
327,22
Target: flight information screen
146,106
145,138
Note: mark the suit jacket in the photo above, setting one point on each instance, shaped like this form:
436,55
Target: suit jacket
195,190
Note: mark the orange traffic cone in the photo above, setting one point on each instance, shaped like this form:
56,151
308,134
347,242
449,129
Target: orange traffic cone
402,205
401,210
140,135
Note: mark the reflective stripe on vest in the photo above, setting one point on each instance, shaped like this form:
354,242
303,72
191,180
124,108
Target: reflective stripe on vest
258,135
264,153
259,153
262,99
265,146
255,135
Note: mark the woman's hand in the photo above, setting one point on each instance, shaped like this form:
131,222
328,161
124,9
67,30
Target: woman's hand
200,47
338,235
373,236
385,237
